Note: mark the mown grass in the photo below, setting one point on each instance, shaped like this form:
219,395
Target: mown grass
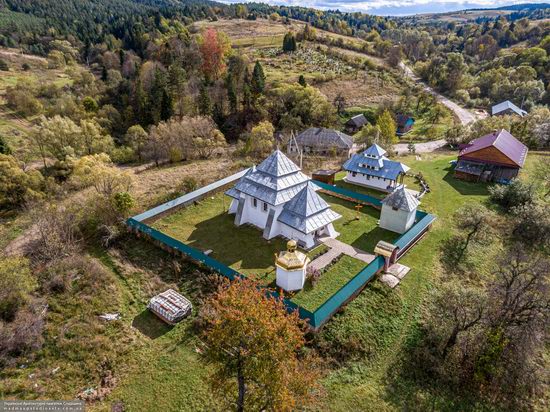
335,276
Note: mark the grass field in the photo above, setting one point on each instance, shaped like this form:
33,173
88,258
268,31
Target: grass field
159,367
207,226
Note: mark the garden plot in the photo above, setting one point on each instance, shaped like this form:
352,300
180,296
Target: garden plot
314,65
208,227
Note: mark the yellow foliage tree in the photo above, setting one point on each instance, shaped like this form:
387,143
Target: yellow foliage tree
255,344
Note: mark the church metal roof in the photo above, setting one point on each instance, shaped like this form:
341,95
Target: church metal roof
307,211
275,181
372,162
401,199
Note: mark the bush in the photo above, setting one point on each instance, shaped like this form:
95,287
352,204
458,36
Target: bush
16,284
515,194
3,65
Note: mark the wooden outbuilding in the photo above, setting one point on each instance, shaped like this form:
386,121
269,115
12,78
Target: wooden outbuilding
496,157
325,176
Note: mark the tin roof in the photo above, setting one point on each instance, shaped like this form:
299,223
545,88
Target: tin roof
277,164
276,180
507,105
503,141
372,162
374,151
357,120
307,211
401,199
322,137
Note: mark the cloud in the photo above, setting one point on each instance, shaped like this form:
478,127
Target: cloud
393,7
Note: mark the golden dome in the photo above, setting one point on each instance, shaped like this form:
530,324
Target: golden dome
291,259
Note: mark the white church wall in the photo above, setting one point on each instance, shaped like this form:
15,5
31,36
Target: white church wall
373,182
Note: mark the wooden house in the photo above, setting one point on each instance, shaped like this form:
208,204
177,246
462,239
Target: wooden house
496,157
321,141
356,123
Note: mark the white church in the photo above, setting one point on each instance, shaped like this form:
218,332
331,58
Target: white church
373,169
279,199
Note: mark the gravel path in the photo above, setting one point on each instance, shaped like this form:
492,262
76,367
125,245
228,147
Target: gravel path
465,116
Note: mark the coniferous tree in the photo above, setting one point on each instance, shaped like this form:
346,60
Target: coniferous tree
247,93
258,79
302,80
204,103
289,42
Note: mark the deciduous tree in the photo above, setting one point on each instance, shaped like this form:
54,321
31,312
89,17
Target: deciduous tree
255,346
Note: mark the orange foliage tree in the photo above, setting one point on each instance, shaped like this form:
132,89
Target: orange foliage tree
257,347
214,47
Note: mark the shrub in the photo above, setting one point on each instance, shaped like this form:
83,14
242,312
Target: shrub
16,284
515,194
4,65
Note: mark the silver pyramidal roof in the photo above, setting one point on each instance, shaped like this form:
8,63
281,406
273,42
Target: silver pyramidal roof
401,199
307,211
275,181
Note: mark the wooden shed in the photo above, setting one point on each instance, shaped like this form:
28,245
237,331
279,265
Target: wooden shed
325,176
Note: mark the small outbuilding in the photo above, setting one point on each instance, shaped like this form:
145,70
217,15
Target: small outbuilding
398,210
325,176
291,268
404,124
356,123
170,306
321,141
496,157
507,108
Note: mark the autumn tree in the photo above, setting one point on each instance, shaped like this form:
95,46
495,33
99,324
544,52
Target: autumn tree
388,128
136,138
17,186
255,345
58,137
214,47
260,139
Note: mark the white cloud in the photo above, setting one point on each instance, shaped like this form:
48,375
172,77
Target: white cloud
393,7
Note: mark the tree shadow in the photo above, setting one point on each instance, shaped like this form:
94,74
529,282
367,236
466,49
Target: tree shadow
368,240
150,325
464,187
242,246
410,385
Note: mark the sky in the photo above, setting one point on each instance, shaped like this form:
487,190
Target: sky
393,7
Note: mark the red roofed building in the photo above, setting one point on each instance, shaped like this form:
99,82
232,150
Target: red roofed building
496,157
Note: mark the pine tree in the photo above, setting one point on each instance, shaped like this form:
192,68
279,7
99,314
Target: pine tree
232,94
258,79
302,80
247,94
289,42
204,103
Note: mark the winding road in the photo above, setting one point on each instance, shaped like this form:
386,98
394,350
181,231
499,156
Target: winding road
464,115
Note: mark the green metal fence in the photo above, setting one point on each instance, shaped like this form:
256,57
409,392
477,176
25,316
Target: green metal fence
360,197
317,318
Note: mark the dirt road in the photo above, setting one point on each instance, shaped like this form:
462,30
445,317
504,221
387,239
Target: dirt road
427,147
465,116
